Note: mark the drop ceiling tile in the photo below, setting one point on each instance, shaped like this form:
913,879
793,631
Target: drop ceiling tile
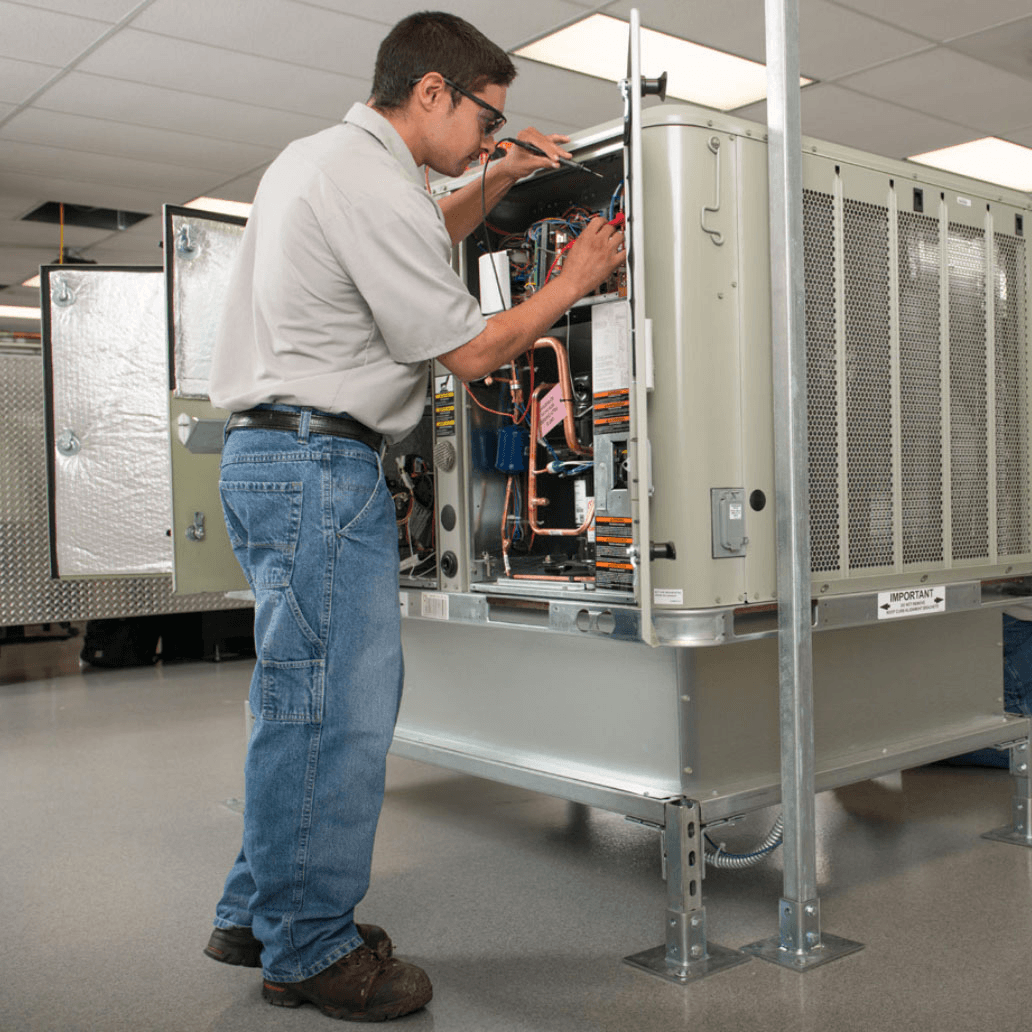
55,187
16,294
211,71
506,24
17,264
140,244
168,109
1022,136
240,189
562,97
100,10
20,79
941,19
951,86
1008,47
838,115
99,136
34,34
46,234
171,180
832,40
310,36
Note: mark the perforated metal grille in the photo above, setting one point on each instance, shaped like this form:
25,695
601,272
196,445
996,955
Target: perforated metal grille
868,384
1012,516
821,378
27,594
969,481
920,386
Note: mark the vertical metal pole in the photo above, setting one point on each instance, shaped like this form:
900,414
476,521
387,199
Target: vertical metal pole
795,664
799,943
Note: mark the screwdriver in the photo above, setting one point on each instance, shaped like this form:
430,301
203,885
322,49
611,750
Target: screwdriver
565,162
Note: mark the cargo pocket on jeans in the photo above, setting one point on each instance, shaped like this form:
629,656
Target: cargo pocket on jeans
292,690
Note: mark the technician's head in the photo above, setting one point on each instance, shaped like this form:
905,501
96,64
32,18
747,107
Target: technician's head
445,81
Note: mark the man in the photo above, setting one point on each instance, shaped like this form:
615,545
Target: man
342,292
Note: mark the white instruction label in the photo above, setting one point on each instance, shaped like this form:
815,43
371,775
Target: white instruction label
581,500
911,602
667,597
434,605
610,346
966,201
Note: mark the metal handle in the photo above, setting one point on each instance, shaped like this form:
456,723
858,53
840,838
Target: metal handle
715,235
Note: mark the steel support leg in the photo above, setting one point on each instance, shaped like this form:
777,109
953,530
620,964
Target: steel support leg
799,944
687,955
1019,832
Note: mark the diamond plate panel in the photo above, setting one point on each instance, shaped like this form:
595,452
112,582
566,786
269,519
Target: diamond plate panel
27,594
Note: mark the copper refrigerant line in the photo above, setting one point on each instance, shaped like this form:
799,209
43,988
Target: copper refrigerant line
534,501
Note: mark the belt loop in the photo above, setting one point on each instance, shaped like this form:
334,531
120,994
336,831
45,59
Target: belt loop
302,426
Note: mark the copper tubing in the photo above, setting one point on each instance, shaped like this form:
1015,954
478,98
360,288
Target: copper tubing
505,519
566,381
533,502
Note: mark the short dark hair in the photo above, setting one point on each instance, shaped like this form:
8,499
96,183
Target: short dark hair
435,41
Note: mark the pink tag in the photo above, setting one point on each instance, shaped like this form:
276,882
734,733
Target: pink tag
550,409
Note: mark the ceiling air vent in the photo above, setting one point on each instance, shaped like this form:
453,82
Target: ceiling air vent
85,215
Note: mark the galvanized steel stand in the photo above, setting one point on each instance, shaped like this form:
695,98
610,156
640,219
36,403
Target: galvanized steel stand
1019,833
687,955
799,944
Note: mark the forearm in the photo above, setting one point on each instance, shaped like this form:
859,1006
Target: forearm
464,209
512,332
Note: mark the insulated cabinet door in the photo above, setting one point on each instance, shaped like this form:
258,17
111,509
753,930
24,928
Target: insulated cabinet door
199,252
107,421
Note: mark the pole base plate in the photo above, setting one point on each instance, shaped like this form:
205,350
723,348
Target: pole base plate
831,948
654,962
1008,834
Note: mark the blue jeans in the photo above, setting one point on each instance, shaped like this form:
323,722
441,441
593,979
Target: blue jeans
312,523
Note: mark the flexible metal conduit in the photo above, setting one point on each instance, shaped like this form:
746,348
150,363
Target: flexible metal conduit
740,861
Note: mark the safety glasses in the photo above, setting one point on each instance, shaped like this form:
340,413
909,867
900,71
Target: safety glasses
497,118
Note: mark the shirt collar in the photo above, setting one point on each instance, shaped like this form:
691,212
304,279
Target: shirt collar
364,117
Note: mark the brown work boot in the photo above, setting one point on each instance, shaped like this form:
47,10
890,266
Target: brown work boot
359,987
239,946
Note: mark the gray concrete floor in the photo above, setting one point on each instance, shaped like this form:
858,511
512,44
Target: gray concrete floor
118,830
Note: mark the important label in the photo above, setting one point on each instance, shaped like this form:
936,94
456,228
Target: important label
911,602
444,405
668,596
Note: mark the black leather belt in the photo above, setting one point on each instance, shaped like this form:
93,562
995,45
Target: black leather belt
335,426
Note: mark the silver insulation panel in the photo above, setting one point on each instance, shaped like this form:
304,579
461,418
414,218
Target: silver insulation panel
199,253
104,339
28,595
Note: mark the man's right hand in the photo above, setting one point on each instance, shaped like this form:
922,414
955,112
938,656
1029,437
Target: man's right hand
595,255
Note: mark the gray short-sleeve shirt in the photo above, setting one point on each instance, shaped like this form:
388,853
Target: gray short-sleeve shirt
343,287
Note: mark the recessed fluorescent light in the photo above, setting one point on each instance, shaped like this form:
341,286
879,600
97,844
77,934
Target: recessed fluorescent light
597,46
991,159
221,207
32,281
17,312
